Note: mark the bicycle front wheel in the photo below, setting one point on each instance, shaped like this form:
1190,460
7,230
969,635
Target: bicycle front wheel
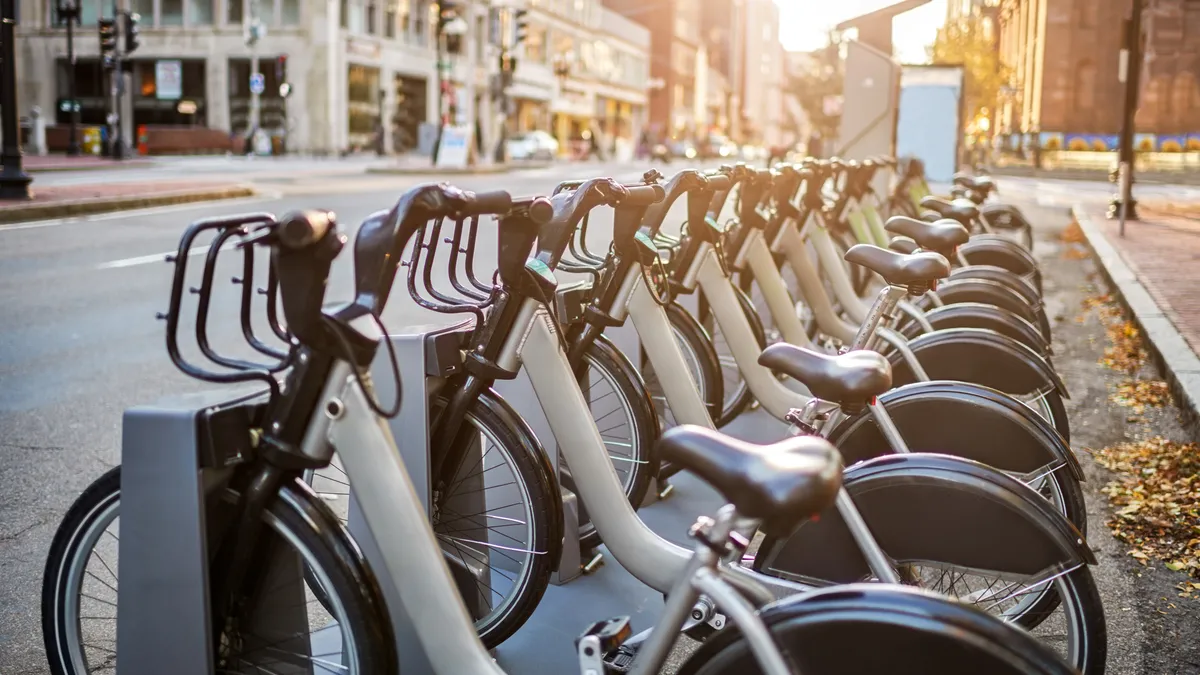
348,630
499,522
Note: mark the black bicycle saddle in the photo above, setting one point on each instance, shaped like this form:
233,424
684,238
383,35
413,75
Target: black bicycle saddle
942,236
900,269
783,484
853,378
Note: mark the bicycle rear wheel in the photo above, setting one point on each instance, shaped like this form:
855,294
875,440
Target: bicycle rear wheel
348,628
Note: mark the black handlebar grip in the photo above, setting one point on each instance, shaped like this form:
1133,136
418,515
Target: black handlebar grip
496,202
541,211
643,195
719,182
301,229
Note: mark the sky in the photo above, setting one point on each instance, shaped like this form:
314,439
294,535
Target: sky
803,24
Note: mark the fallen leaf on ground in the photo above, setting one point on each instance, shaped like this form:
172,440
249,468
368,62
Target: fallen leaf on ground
1142,394
1156,502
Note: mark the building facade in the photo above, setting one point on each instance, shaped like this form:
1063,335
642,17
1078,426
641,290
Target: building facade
582,70
363,74
1063,59
674,27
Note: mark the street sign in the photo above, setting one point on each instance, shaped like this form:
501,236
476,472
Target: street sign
258,83
168,79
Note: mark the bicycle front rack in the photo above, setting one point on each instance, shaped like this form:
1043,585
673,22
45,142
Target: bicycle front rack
227,230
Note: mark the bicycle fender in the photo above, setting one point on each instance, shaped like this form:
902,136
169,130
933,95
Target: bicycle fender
903,625
970,289
973,422
1020,285
910,502
980,356
982,315
984,249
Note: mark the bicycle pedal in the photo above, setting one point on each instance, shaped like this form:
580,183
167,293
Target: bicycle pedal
593,564
599,648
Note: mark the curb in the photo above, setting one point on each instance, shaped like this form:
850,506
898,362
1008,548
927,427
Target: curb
489,170
85,207
54,168
1171,353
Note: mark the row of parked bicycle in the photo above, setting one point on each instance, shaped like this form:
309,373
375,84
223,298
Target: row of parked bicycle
924,513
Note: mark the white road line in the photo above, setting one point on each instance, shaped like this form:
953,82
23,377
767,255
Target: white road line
134,213
145,259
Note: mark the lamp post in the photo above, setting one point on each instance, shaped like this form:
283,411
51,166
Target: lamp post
450,25
68,12
1123,205
14,182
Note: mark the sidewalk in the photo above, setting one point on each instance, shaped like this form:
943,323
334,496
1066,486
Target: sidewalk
79,200
1155,271
41,163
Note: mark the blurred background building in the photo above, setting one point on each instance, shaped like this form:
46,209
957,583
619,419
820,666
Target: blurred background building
363,75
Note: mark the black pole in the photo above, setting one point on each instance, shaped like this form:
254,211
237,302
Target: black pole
1132,46
14,182
441,95
73,130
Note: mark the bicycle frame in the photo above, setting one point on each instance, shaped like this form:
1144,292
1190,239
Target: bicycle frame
410,551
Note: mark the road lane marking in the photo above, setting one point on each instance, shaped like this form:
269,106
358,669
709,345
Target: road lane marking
159,257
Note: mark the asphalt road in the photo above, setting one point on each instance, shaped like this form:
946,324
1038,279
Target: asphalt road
79,343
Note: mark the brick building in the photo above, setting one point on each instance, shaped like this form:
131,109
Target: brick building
1063,59
674,45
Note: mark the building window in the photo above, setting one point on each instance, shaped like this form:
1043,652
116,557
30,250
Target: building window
290,12
344,13
372,25
422,13
362,105
200,12
234,11
170,12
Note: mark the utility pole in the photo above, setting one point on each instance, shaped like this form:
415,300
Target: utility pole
255,31
14,182
1123,205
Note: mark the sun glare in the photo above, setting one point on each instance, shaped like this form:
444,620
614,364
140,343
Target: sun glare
803,24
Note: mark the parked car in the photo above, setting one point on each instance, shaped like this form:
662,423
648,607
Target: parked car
532,145
673,149
719,147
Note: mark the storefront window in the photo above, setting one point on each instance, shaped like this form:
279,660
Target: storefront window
148,108
90,91
355,22
146,9
91,10
200,12
170,12
362,105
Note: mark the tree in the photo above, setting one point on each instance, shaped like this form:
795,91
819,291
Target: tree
817,85
971,43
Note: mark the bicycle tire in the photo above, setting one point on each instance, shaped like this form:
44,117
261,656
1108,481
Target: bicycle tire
295,508
736,402
493,416
493,413
905,628
644,459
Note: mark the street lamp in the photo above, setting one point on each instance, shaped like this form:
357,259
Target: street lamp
449,24
68,12
14,182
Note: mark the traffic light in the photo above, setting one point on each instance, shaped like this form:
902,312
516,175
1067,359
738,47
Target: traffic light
522,26
108,36
131,32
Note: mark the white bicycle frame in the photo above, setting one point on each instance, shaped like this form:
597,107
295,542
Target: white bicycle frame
412,557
